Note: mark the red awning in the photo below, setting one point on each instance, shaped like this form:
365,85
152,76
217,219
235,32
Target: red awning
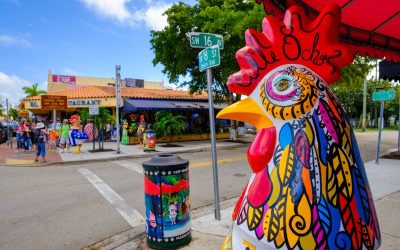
371,27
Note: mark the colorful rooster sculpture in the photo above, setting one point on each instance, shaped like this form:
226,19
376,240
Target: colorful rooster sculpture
309,189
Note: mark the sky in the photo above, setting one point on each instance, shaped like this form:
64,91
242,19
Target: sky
76,37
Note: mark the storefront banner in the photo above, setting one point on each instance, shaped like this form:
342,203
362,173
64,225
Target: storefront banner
64,79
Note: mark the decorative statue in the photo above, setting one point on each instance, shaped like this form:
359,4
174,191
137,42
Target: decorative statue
125,138
90,131
309,188
140,131
77,136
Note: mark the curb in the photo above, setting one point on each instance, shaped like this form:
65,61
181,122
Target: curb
121,157
138,233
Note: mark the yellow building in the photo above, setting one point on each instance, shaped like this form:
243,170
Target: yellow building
57,83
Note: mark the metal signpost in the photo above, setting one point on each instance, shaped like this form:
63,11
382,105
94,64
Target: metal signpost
117,105
93,110
205,40
208,58
9,139
381,96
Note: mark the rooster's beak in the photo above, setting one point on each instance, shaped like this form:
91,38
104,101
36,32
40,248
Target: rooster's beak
246,110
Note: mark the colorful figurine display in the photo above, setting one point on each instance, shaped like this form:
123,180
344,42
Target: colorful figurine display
140,131
90,131
125,138
77,135
309,188
149,139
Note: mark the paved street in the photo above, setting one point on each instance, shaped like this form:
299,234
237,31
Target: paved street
69,207
57,207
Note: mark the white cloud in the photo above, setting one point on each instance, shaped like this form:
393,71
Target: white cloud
14,40
154,17
125,13
116,9
11,87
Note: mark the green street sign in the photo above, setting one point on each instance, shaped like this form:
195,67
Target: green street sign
209,57
205,40
383,95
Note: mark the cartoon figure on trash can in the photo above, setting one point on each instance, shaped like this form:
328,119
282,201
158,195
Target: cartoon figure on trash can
167,206
309,188
76,135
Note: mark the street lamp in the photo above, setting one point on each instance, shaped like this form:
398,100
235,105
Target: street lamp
118,100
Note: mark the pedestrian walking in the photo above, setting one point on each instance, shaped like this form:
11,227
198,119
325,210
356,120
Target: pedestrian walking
64,140
41,144
52,140
19,134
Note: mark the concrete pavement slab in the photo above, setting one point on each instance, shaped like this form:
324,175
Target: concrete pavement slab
383,178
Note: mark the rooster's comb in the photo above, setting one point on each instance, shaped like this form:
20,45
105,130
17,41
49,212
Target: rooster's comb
294,40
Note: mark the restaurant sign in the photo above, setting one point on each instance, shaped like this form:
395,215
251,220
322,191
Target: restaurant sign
83,102
64,79
58,102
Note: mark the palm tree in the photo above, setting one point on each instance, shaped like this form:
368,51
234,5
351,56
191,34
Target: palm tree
13,113
168,125
1,110
33,90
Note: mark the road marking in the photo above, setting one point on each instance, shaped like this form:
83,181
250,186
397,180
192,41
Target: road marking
10,161
131,215
130,165
209,163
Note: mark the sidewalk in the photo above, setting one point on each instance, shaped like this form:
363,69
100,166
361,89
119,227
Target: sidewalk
16,156
206,231
19,157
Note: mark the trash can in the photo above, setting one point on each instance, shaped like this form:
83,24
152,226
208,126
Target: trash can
149,140
167,201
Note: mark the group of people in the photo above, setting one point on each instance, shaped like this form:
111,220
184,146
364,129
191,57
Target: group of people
36,136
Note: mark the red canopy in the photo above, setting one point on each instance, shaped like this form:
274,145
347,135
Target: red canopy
371,27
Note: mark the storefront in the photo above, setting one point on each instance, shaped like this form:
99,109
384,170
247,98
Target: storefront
137,103
77,99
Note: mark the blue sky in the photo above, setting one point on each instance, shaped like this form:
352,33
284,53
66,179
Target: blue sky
76,37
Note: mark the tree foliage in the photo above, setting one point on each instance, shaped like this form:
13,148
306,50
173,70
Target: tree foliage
1,109
33,90
168,124
13,113
229,18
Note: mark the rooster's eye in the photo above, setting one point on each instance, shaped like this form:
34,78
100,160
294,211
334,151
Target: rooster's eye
282,85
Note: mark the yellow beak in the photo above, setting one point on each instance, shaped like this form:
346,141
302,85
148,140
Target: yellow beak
246,110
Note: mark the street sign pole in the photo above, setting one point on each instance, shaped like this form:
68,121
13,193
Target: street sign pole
213,144
8,123
208,58
117,97
54,119
380,131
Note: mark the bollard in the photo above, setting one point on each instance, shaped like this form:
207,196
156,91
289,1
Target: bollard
149,140
167,201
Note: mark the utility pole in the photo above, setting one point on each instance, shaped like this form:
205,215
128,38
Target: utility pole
364,114
117,97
